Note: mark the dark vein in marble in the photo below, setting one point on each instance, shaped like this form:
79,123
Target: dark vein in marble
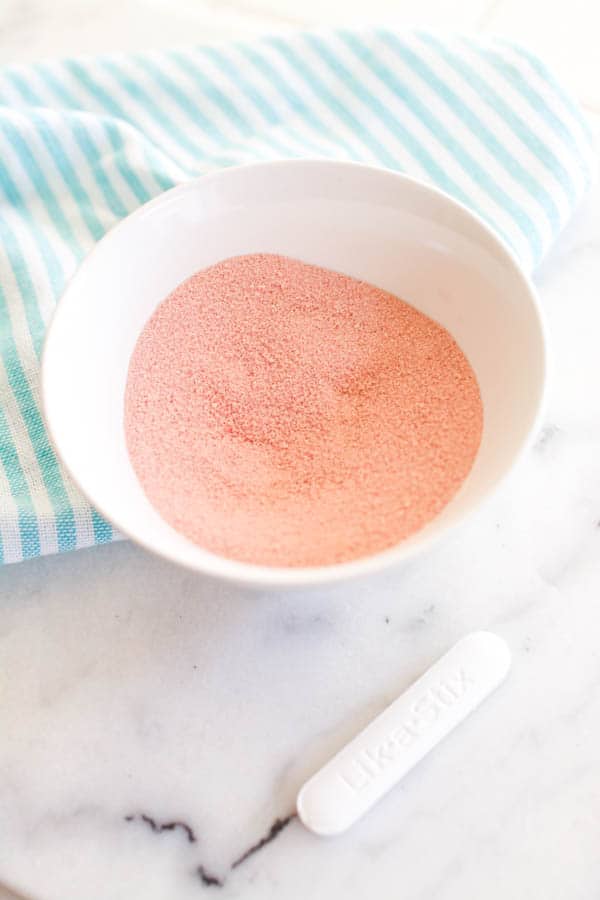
159,827
275,829
208,879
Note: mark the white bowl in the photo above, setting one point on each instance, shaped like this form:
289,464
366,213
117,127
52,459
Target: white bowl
372,224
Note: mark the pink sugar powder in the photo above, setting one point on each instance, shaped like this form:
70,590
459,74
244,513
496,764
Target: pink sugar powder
282,414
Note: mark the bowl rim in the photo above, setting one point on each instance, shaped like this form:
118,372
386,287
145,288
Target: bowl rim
261,576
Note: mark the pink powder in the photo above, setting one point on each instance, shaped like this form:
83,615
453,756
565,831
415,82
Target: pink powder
282,414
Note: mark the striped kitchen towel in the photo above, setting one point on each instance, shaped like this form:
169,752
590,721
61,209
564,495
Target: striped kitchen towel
83,142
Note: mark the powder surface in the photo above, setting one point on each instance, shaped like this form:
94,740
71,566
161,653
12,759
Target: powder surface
282,414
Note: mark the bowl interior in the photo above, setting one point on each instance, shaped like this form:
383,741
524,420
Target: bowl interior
375,225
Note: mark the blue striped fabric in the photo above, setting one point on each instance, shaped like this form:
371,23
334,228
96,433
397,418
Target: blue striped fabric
85,142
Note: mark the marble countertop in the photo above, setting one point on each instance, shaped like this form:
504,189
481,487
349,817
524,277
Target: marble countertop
156,726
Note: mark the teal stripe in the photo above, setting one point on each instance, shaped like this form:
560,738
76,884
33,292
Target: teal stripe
30,541
153,110
154,168
413,146
47,461
103,532
93,155
115,137
227,146
210,89
262,105
48,254
488,138
320,90
191,110
69,176
183,101
18,264
527,137
391,122
151,157
22,87
84,142
99,93
19,489
294,101
509,71
465,159
546,75
65,523
38,180
255,97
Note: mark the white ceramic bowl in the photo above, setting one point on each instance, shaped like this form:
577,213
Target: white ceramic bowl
373,224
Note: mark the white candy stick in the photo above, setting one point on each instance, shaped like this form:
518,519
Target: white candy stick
371,764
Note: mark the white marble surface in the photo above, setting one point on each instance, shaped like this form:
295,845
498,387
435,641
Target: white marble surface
129,688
